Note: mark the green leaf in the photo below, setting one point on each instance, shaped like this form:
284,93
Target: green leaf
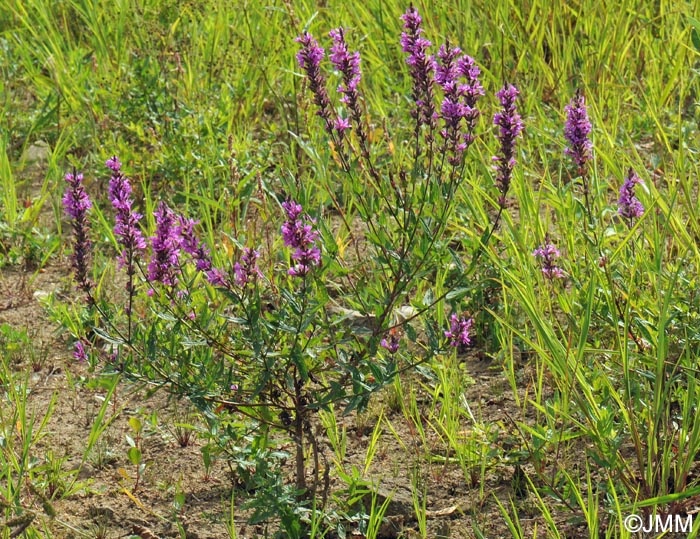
206,456
107,337
457,293
411,333
134,455
135,424
695,32
695,38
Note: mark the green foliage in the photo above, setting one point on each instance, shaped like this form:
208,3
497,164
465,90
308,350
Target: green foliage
204,103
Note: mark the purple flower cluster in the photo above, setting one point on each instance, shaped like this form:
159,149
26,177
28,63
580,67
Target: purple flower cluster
349,66
79,352
76,204
199,252
392,343
76,201
510,126
191,245
126,227
309,58
421,65
459,331
577,131
300,235
165,262
459,103
345,62
548,254
246,271
628,204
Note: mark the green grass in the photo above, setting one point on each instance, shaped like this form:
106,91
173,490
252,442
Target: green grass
205,103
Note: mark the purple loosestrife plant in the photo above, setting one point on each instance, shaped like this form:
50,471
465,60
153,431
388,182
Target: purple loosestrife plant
510,126
547,253
421,66
126,227
76,204
165,261
298,234
628,204
459,331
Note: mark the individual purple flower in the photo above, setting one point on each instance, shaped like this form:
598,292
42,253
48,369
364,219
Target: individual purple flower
392,343
309,58
126,229
421,67
76,203
548,254
165,261
299,234
79,352
459,331
341,125
246,271
577,131
628,204
510,126
459,103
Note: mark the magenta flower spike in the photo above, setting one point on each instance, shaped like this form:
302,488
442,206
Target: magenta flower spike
299,234
421,67
458,110
246,271
126,227
165,261
309,58
577,131
628,204
348,64
76,204
510,126
548,254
